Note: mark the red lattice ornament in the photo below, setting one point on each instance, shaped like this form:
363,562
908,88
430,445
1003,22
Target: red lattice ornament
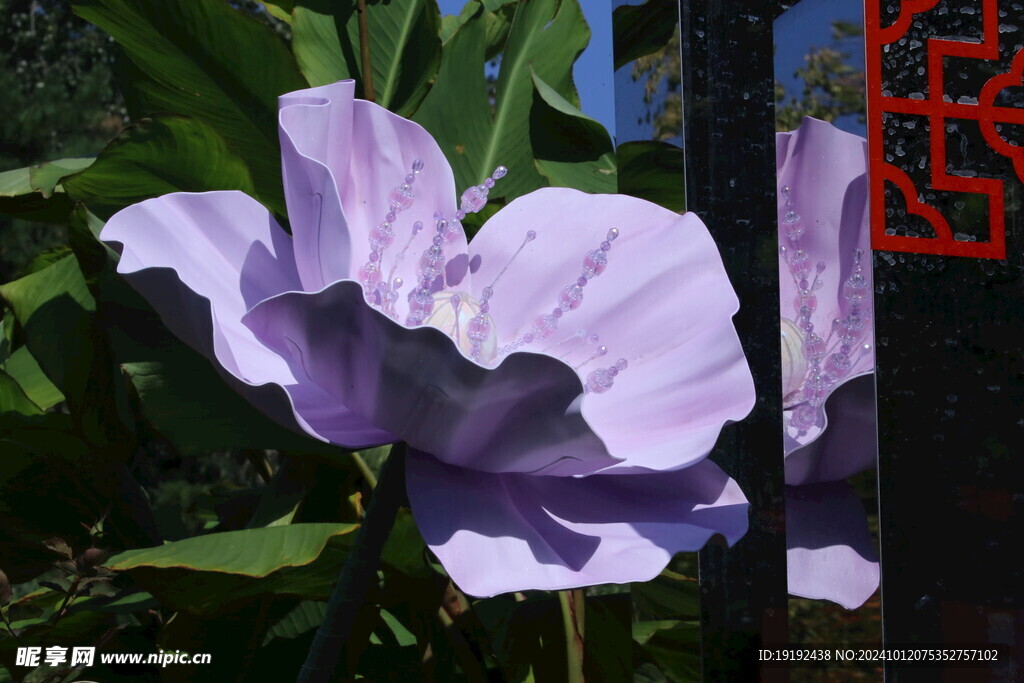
938,110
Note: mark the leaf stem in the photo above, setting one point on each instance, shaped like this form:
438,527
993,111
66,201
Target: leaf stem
358,573
572,602
364,52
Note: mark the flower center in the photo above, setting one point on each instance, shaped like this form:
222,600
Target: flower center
461,317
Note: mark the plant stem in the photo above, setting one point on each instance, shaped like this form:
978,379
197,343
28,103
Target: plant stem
364,52
358,574
572,619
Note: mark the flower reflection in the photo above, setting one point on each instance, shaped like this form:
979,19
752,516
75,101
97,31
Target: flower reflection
828,360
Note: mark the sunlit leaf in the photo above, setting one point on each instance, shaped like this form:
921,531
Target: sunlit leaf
206,573
34,192
547,36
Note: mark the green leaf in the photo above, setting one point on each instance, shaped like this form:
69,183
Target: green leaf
306,616
405,50
547,36
203,59
654,171
13,399
184,399
53,306
667,596
673,645
158,155
639,30
317,48
24,370
34,193
405,549
498,21
206,573
571,149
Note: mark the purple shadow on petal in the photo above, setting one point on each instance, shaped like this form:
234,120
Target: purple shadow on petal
498,533
474,263
522,415
847,445
455,270
830,553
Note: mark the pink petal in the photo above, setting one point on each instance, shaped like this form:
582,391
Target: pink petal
830,554
522,416
341,158
202,260
498,533
664,303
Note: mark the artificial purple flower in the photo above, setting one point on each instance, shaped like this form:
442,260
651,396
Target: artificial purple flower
559,381
828,360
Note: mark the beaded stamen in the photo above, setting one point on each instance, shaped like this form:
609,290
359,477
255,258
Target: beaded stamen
827,360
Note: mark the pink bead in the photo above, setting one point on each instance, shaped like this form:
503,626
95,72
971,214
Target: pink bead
800,263
808,300
545,325
369,274
594,263
600,381
839,364
383,234
571,297
479,328
855,289
474,199
814,348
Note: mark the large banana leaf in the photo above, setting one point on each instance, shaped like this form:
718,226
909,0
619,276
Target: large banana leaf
547,36
405,49
203,59
206,573
165,153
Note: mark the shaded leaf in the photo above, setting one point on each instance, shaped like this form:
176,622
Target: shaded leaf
639,30
158,155
667,596
203,59
571,149
303,618
654,171
206,573
184,399
405,50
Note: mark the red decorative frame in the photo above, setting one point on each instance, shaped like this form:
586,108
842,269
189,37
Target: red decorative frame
985,112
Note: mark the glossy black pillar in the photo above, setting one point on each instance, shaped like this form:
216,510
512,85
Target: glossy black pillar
729,141
950,369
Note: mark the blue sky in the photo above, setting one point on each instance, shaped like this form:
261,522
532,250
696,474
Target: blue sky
807,24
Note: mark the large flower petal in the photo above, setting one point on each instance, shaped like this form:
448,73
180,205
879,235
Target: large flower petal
341,158
496,533
664,303
202,260
846,446
522,416
830,554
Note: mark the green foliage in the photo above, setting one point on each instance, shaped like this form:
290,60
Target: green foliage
545,38
405,48
156,156
202,59
832,86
